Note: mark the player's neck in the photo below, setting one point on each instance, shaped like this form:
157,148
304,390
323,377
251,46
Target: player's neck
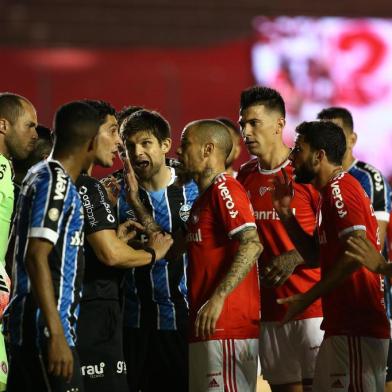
159,180
3,148
274,157
325,175
348,160
72,163
207,177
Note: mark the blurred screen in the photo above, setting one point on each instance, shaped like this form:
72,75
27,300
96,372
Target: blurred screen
321,62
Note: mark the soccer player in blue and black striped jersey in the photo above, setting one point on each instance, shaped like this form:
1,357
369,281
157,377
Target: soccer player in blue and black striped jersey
48,260
156,306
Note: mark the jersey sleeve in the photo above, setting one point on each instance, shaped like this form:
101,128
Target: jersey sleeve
98,211
304,206
381,198
347,207
233,205
49,193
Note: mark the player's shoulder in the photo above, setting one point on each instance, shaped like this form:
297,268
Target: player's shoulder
341,183
225,182
367,168
248,167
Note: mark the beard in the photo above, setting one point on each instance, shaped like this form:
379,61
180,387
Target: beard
304,175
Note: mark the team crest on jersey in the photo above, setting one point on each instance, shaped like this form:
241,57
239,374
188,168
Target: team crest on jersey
185,211
264,189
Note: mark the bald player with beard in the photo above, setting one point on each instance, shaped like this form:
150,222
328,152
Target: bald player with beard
223,247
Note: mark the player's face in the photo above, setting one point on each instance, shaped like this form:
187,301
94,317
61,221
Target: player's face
107,142
190,153
147,154
21,136
303,158
260,127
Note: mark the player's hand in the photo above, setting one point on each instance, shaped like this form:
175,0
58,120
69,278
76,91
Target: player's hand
131,182
362,250
161,243
279,269
60,359
112,188
296,304
128,230
282,193
207,317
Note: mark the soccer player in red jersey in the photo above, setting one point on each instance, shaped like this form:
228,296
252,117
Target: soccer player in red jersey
223,247
353,354
288,353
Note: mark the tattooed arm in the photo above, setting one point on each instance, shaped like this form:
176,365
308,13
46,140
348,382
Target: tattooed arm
248,252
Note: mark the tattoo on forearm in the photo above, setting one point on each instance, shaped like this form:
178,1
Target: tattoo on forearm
288,261
146,218
247,254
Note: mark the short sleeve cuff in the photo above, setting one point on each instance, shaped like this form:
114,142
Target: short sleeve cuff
240,228
351,229
382,216
43,232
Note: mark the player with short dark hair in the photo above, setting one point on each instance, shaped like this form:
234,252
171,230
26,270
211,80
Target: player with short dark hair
287,354
125,112
223,248
156,303
48,262
376,187
100,343
353,354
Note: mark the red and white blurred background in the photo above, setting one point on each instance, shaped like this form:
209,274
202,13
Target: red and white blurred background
313,62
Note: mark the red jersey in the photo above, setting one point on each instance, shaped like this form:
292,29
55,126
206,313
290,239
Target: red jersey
220,212
355,307
273,235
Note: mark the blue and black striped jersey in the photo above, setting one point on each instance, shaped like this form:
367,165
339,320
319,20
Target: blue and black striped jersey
157,295
376,187
48,207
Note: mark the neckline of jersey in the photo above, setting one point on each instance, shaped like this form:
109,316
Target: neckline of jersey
275,170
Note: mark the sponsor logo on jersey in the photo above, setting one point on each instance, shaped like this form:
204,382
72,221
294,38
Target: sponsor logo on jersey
378,180
268,215
338,198
61,184
110,218
185,212
226,196
131,214
194,237
4,367
3,169
121,367
88,206
77,239
94,371
213,384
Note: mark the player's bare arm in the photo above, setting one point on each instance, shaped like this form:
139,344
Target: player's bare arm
279,269
363,251
248,252
282,194
344,267
60,359
113,252
382,226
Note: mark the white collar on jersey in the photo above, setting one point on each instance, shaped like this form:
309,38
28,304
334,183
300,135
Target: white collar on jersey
274,170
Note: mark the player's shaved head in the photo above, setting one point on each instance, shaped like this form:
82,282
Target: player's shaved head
212,131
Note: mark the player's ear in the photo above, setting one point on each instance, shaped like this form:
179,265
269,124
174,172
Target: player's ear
93,143
208,149
353,139
166,145
281,125
319,156
3,126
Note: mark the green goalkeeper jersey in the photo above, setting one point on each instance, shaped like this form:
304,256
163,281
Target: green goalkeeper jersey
6,204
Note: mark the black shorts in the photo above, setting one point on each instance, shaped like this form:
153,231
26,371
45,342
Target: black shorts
28,372
100,346
156,360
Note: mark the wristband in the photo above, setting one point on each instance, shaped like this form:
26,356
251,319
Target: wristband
152,253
